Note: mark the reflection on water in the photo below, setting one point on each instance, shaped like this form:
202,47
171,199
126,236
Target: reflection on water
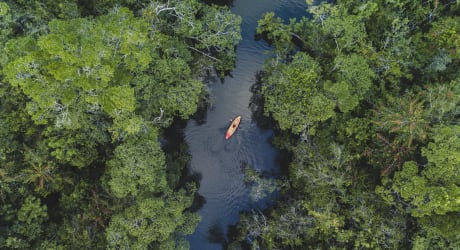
219,163
216,234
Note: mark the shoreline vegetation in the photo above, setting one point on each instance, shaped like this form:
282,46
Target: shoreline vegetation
366,96
87,88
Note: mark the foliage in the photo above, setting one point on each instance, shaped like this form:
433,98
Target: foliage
85,89
323,208
365,94
293,97
261,186
434,190
74,67
137,166
152,223
214,34
26,224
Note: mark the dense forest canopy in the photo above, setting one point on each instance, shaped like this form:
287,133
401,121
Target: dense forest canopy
366,96
86,90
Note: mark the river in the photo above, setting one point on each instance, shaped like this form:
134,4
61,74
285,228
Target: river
218,162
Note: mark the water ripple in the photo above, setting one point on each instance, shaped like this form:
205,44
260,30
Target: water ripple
220,162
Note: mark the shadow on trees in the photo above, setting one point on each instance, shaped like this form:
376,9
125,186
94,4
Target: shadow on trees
228,3
256,105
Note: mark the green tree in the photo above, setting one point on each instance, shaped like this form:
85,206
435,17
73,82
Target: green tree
69,76
443,102
403,122
294,97
76,63
85,210
138,166
343,31
274,30
27,226
213,35
353,81
326,206
444,35
433,190
389,74
89,96
438,232
40,173
32,17
152,223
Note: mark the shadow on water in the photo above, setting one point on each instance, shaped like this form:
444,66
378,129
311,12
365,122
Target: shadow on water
198,202
198,199
177,160
201,114
216,234
207,102
173,135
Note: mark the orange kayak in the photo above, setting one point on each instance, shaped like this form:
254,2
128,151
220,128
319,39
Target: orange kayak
233,126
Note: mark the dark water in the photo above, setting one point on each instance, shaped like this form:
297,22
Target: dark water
219,162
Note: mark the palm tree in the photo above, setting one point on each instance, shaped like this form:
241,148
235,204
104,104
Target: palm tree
40,170
404,119
39,173
400,123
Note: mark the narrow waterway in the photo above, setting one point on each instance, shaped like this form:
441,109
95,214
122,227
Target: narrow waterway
218,162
